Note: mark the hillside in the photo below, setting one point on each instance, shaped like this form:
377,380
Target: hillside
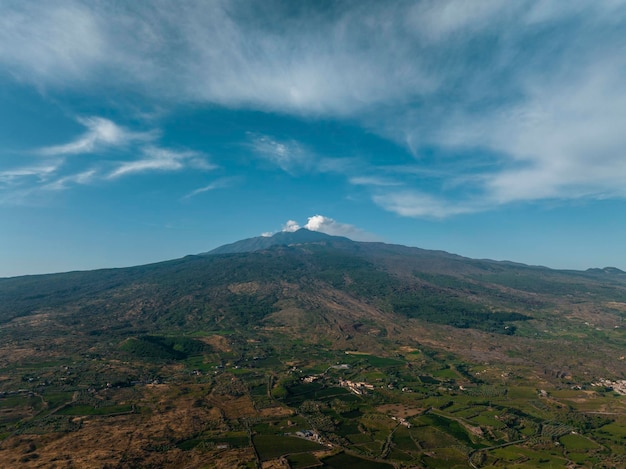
248,282
231,325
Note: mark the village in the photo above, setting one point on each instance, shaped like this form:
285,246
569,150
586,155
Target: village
618,386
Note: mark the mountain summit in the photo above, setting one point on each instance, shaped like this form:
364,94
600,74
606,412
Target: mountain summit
284,238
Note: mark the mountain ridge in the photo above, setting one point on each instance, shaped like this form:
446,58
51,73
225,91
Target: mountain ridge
286,238
304,236
419,276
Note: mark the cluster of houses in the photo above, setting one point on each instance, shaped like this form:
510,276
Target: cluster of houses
309,435
618,386
402,421
358,388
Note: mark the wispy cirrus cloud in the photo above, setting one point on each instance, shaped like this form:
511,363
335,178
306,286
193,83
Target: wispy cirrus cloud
38,172
376,181
297,158
161,159
20,184
101,134
64,182
415,204
217,184
50,43
59,172
287,155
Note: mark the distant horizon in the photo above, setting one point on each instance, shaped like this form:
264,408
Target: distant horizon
131,134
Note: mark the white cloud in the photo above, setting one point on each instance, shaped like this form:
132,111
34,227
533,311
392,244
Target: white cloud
58,172
20,186
328,226
224,52
291,226
373,181
416,204
332,227
218,184
546,102
51,42
565,141
288,156
161,159
295,158
437,20
82,178
40,172
101,133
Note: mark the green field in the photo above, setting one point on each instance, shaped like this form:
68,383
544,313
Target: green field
302,460
344,461
578,443
271,447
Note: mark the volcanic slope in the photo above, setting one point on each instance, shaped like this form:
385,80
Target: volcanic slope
312,285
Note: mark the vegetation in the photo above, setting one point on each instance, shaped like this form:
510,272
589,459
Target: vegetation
170,348
272,446
331,354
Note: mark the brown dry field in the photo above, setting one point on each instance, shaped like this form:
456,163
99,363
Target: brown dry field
399,410
218,342
135,440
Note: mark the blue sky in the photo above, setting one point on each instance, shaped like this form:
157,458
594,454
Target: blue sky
134,132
